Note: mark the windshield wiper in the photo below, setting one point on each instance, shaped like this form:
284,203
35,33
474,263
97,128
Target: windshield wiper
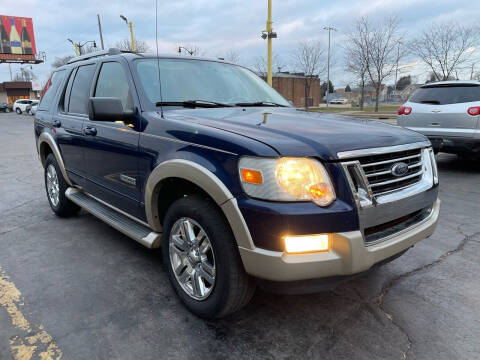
260,103
434,102
193,103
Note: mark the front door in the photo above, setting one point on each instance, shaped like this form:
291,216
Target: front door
111,148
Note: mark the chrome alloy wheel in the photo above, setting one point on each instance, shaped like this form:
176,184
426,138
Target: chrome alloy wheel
53,189
192,258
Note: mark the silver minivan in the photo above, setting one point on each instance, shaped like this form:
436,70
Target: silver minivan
448,113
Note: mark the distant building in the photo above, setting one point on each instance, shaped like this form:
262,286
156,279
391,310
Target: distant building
292,87
10,91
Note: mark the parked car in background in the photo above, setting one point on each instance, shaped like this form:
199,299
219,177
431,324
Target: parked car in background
448,113
342,101
32,109
6,107
21,105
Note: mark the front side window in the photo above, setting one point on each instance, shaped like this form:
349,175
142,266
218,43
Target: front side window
112,82
186,80
50,89
81,89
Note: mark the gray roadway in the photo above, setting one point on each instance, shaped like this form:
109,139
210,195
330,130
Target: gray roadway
78,287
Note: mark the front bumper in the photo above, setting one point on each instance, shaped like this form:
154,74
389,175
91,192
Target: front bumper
348,255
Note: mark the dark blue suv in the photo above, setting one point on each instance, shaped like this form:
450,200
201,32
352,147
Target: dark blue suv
204,159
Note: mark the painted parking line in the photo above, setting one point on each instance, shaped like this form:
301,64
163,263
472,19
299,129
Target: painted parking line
31,342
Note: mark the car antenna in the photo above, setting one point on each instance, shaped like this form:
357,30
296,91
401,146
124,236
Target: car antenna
158,60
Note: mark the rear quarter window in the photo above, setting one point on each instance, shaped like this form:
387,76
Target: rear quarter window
50,90
443,95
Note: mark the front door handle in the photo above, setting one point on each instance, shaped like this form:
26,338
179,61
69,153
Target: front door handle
57,123
90,131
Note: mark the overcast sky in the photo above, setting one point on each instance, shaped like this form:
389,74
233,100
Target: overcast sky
218,26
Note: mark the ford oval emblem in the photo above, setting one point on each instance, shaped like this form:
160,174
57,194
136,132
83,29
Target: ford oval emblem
399,169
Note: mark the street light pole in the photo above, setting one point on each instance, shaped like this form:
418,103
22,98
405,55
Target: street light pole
329,28
130,25
269,35
396,69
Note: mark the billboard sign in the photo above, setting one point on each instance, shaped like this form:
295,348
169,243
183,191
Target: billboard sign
16,38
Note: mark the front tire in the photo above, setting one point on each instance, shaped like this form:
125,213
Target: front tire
55,186
201,259
18,111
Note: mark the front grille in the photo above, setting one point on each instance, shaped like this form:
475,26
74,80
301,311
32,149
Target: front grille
378,170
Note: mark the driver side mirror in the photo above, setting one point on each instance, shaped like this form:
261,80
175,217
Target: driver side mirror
108,109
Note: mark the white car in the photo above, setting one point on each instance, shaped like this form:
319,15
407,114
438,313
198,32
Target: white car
21,105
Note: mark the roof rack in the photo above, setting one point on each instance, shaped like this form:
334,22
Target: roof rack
111,51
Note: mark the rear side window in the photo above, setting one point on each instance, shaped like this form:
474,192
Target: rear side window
112,82
81,89
50,89
443,95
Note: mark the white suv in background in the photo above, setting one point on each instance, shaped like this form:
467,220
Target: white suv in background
448,113
21,105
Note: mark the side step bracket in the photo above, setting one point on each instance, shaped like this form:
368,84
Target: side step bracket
114,218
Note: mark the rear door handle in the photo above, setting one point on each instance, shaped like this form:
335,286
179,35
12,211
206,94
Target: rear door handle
435,124
90,131
57,123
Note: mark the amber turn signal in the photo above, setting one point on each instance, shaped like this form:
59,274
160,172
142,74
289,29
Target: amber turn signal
251,176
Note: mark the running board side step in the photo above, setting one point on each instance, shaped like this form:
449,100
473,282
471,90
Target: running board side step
114,218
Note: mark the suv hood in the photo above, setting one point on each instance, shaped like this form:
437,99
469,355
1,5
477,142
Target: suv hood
294,132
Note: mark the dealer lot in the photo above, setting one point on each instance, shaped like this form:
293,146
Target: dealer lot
79,288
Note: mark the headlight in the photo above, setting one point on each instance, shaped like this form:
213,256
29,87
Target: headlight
286,179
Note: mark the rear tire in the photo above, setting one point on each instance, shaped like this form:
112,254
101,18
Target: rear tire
232,288
55,186
18,110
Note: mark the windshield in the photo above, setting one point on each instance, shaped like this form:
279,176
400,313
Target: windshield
200,80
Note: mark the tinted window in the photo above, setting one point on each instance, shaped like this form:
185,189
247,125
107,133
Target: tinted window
50,89
112,82
81,89
442,95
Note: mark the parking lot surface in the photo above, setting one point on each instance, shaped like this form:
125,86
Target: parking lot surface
78,289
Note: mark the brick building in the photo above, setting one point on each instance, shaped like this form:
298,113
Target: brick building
292,87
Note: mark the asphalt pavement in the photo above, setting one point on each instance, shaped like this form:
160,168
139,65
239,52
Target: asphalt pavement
78,289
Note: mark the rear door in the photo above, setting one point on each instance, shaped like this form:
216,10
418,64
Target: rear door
69,119
439,110
111,148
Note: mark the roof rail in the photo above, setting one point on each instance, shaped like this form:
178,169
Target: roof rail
111,51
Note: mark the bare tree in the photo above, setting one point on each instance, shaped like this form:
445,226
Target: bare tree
191,49
380,42
62,60
444,47
259,65
356,59
126,45
232,56
308,58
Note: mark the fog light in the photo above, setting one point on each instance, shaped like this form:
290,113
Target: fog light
306,243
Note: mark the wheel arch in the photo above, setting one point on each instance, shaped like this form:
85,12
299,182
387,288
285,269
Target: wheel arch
207,182
45,145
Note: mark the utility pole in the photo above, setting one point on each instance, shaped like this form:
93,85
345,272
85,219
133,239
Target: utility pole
329,28
396,69
269,35
130,25
100,30
10,68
